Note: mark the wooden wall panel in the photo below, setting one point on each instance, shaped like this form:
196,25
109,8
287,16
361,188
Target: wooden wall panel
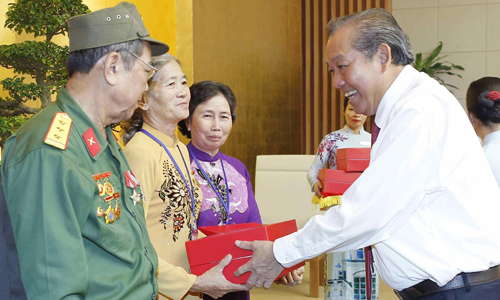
322,104
255,48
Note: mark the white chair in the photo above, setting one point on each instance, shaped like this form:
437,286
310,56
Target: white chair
283,193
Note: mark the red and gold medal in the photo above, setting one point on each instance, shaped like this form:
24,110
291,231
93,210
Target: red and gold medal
108,188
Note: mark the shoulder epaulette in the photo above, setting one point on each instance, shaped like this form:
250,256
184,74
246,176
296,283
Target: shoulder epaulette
58,133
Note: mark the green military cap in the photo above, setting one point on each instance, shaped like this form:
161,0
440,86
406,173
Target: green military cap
108,26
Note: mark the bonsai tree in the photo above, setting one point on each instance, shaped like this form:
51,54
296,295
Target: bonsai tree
44,61
434,67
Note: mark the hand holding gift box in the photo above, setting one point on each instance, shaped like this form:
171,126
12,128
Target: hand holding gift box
205,253
214,283
263,263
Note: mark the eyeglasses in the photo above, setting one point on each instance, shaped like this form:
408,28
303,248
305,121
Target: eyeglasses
154,70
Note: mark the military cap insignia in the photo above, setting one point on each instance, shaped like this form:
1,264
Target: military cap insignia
58,133
91,142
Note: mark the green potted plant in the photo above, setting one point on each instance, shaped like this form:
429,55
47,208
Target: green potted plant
434,66
44,61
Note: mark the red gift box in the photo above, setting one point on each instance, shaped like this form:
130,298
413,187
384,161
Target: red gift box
211,230
336,182
353,159
205,253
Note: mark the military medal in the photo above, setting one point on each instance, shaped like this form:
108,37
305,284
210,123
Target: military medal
108,188
136,197
130,179
111,214
100,185
142,195
101,189
132,182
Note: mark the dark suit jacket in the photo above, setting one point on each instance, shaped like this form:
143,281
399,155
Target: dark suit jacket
11,286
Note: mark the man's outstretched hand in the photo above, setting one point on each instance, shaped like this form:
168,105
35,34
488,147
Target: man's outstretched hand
264,267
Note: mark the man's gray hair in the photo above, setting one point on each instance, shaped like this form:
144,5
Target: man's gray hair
374,27
82,61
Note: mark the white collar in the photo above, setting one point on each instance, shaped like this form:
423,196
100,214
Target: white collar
491,136
347,129
394,93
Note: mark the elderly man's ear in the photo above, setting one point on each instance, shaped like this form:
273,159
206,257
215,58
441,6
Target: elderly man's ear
143,104
385,56
112,65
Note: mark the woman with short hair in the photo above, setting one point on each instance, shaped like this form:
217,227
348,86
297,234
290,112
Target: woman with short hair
170,194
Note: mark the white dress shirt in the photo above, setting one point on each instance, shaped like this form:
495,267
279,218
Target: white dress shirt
491,147
327,150
428,202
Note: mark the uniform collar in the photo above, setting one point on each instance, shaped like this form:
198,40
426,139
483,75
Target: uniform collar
200,155
84,126
394,93
490,137
165,139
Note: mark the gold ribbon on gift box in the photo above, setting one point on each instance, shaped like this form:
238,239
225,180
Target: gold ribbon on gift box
326,202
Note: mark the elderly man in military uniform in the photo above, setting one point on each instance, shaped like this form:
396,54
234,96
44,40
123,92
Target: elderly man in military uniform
75,205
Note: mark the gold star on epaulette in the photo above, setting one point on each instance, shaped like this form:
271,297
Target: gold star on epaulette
58,133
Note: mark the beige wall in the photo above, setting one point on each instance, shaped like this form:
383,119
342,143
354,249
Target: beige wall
469,30
255,48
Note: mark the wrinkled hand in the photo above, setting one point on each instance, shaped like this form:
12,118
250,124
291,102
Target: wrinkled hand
317,189
264,267
214,283
293,278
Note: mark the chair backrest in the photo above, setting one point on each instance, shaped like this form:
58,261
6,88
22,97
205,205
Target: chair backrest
282,190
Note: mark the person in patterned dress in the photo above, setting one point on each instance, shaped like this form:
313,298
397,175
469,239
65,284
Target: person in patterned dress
344,271
172,196
352,135
225,182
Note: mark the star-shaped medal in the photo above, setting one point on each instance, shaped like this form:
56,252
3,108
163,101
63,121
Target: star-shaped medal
136,198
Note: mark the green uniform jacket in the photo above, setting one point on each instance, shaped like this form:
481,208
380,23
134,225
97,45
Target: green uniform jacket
66,250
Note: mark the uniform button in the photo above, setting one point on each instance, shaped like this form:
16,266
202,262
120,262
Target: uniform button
153,296
146,249
133,214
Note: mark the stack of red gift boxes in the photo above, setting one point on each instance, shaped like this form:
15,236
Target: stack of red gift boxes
351,162
205,253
